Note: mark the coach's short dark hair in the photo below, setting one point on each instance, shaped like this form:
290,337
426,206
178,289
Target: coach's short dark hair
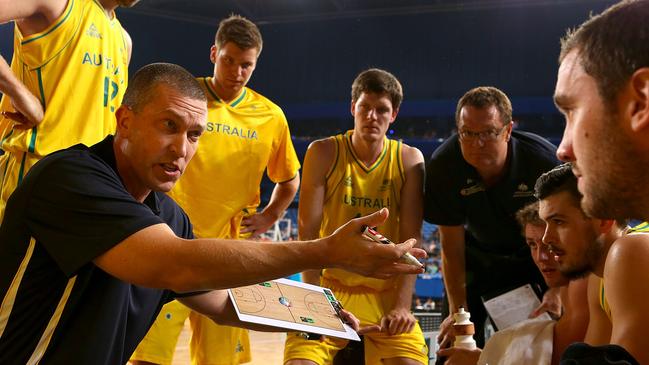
142,85
612,46
484,97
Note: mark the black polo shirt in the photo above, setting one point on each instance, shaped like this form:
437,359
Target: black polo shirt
56,304
455,194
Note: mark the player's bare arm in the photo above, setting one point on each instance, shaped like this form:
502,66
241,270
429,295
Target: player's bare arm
155,257
129,46
282,196
317,162
399,319
573,323
28,109
599,326
453,266
626,284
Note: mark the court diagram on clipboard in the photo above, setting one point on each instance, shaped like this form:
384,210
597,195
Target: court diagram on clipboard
291,304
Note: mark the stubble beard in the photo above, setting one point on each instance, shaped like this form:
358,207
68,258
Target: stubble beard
590,258
616,189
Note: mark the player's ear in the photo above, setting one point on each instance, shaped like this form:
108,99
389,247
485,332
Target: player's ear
395,112
639,111
353,107
213,51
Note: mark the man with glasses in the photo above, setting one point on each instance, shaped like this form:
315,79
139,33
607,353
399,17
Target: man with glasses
476,181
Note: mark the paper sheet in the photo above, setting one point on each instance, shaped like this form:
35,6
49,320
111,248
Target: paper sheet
513,307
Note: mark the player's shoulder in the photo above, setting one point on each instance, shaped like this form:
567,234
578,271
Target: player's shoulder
256,97
627,252
323,146
411,155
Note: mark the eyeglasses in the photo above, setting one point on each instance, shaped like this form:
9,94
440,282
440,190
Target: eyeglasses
484,136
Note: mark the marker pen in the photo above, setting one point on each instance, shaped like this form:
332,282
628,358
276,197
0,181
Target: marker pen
379,238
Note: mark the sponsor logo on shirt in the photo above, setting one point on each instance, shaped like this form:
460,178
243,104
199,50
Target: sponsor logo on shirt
93,32
472,189
239,347
231,131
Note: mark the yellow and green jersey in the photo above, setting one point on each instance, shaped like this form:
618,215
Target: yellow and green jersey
353,190
603,303
78,68
242,139
640,228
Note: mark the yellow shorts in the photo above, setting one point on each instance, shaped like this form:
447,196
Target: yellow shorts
210,344
13,167
159,344
368,306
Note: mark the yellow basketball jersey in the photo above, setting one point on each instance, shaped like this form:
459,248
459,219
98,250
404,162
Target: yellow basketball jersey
242,139
603,303
640,228
78,67
353,190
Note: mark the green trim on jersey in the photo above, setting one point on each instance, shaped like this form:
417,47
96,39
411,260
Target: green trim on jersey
376,163
236,102
209,89
212,92
642,227
21,172
54,27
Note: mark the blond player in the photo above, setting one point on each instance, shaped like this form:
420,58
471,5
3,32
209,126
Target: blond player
245,135
72,56
350,175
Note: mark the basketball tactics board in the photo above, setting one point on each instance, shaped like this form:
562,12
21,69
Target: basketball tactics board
292,305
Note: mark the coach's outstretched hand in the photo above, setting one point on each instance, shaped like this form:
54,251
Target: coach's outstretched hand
348,249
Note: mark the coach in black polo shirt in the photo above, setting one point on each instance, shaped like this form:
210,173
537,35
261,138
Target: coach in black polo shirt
89,244
475,182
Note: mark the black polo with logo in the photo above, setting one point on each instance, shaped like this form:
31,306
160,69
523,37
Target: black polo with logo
57,306
455,194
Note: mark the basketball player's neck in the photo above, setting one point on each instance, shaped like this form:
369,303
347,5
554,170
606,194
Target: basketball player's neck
227,95
367,150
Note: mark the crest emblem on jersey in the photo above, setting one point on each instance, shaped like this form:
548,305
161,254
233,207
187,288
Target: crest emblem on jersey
348,181
385,185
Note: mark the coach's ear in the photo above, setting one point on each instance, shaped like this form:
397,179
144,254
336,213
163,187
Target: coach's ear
124,117
639,84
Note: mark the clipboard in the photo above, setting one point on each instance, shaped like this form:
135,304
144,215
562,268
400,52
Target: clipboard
292,305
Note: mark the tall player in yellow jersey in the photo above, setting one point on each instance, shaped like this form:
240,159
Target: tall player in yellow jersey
351,175
246,134
72,56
